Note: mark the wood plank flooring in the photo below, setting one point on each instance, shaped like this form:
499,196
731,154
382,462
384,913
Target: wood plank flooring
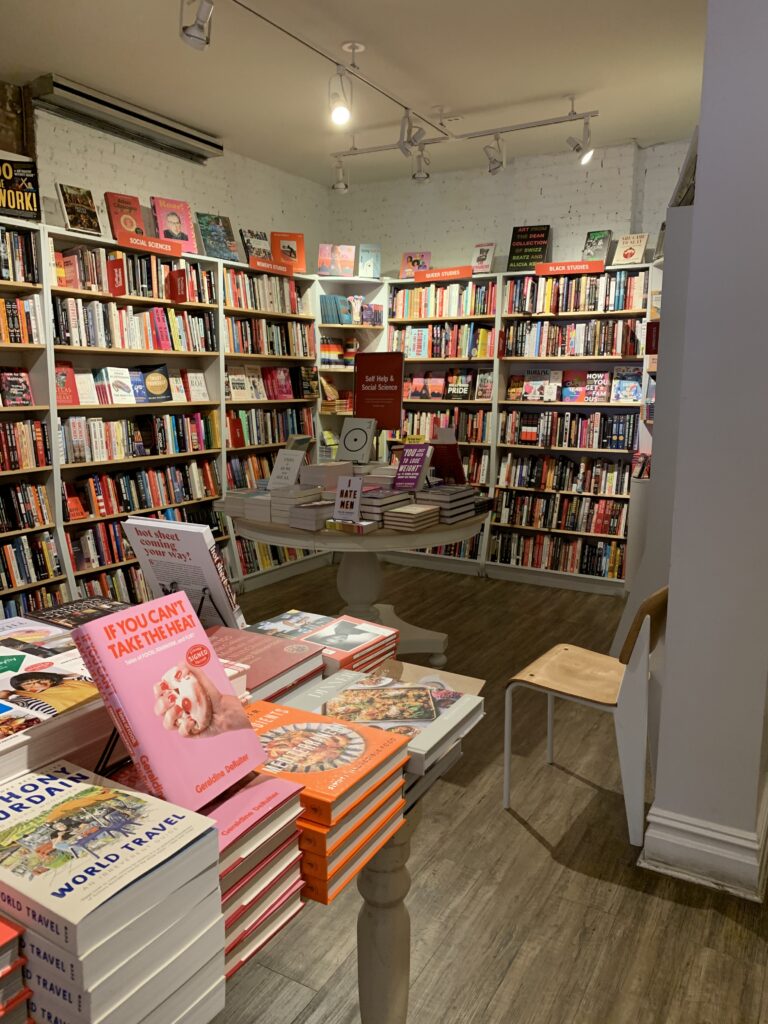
534,916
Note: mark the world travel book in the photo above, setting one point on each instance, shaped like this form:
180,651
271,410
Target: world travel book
335,260
275,664
79,209
170,699
173,219
124,214
335,762
71,868
256,244
430,707
217,235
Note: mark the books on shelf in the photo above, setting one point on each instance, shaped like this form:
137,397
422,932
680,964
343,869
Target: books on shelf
125,214
347,642
576,293
627,384
569,429
15,389
173,220
458,299
582,514
18,256
178,716
24,444
24,506
597,245
562,473
431,707
630,249
260,291
604,337
20,320
556,553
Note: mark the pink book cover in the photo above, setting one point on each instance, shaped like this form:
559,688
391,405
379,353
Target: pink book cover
247,807
173,219
170,699
267,657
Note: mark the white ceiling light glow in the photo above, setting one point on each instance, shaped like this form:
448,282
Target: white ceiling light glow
340,97
198,33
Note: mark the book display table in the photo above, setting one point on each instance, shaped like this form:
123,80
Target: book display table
359,576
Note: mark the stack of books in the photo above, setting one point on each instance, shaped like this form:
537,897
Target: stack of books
312,515
359,527
119,895
412,518
347,642
285,499
432,708
273,664
455,503
254,503
352,800
13,988
324,474
373,504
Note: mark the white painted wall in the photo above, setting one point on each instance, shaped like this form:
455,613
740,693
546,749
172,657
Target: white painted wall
251,194
705,817
623,188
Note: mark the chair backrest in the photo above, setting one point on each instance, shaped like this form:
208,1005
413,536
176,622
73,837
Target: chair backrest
655,607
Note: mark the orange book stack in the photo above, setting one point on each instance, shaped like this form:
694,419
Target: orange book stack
352,801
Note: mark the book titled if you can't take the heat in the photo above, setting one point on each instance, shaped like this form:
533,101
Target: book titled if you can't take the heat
170,699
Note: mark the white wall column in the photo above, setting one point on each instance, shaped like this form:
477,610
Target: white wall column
706,821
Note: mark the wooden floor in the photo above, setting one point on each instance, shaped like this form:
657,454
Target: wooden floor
534,916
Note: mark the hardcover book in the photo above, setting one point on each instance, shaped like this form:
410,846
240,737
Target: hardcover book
75,613
484,385
156,382
335,762
347,642
20,191
171,700
412,468
369,260
482,257
336,260
59,818
195,387
410,262
273,663
256,244
529,246
630,249
597,245
173,219
124,213
515,387
288,249
86,388
79,209
598,386
15,387
356,440
574,386
627,384
217,235
458,385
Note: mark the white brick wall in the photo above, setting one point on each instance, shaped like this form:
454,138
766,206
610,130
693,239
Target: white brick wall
251,194
453,211
623,189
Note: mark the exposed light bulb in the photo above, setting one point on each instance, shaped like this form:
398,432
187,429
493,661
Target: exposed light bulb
340,97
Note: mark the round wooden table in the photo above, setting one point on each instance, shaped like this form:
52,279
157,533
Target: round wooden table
359,575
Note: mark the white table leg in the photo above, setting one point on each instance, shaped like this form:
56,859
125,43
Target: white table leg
384,931
359,583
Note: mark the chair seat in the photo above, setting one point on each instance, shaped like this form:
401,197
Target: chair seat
575,672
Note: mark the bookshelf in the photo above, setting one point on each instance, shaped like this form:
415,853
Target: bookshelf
336,298
237,321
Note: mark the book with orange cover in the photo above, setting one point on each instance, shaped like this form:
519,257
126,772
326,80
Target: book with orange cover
288,249
336,762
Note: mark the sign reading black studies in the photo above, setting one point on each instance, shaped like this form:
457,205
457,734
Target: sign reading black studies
19,193
529,246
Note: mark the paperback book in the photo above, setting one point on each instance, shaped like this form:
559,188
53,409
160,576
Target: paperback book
630,249
336,260
124,212
274,663
217,235
79,209
410,262
173,219
369,260
529,246
256,244
482,257
597,245
288,249
627,384
171,700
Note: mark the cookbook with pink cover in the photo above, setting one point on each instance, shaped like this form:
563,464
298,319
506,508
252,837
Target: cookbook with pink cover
251,805
170,700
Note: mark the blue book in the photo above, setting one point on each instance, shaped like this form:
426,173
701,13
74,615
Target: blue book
369,260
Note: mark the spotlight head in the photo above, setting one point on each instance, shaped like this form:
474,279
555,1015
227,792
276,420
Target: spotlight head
416,136
495,156
421,174
404,141
583,148
198,34
340,184
586,157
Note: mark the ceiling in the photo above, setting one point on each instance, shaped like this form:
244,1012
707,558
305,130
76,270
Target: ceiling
490,61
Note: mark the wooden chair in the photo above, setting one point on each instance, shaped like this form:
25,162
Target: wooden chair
618,685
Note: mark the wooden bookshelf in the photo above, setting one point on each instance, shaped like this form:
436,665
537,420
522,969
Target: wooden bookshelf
267,360
550,490
637,406
571,359
266,314
30,471
89,520
602,314
450,360
138,459
51,580
131,353
350,327
22,410
79,573
551,529
10,534
561,448
144,408
19,287
487,318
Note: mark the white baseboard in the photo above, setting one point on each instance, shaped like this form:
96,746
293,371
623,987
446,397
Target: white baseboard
729,859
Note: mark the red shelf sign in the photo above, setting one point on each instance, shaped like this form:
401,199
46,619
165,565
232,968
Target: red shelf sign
444,274
575,267
269,267
160,246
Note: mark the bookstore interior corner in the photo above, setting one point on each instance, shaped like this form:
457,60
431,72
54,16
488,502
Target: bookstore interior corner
376,644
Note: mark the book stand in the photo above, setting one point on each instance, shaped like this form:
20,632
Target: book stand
103,767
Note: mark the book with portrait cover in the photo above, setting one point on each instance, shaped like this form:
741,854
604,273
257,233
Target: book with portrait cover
410,262
170,699
335,260
288,249
79,209
335,762
217,235
60,819
256,244
124,213
173,219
